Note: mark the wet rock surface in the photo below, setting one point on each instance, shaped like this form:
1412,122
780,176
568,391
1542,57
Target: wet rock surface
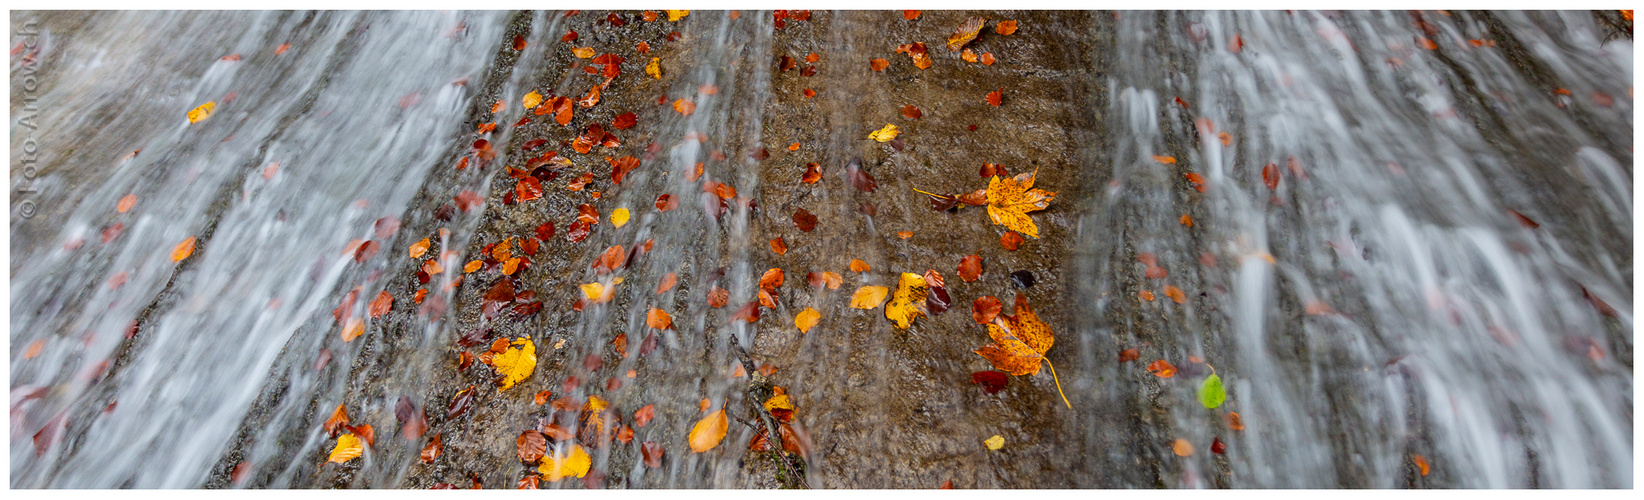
879,406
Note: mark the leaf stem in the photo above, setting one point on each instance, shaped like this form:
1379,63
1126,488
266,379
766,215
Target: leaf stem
1058,383
916,190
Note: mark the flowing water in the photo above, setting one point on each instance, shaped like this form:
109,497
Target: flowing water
1355,269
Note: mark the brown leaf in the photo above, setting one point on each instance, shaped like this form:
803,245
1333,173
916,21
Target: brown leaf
1522,220
965,33
984,309
717,297
644,415
970,268
804,220
1162,368
996,98
1005,27
748,313
532,446
813,173
772,279
1128,355
858,266
652,454
779,246
460,403
1010,240
912,113
859,178
878,64
381,304
364,432
668,281
433,450
339,418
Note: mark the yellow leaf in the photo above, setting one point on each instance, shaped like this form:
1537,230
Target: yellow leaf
1009,201
675,15
908,302
593,290
583,52
419,248
565,463
995,442
182,250
532,100
885,134
1020,342
472,265
619,217
869,297
516,363
348,448
807,319
858,266
779,401
709,431
199,114
654,68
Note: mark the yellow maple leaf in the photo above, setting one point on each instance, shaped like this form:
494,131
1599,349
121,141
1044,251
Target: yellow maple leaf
1009,353
532,99
675,15
1020,342
908,302
807,319
573,462
202,112
583,52
1009,201
654,68
516,363
708,432
619,217
885,134
348,448
869,297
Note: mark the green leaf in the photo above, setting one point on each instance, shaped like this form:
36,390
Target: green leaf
1212,394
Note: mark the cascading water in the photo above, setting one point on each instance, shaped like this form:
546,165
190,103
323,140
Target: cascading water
1407,244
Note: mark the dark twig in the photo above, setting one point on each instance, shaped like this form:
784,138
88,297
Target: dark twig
773,437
